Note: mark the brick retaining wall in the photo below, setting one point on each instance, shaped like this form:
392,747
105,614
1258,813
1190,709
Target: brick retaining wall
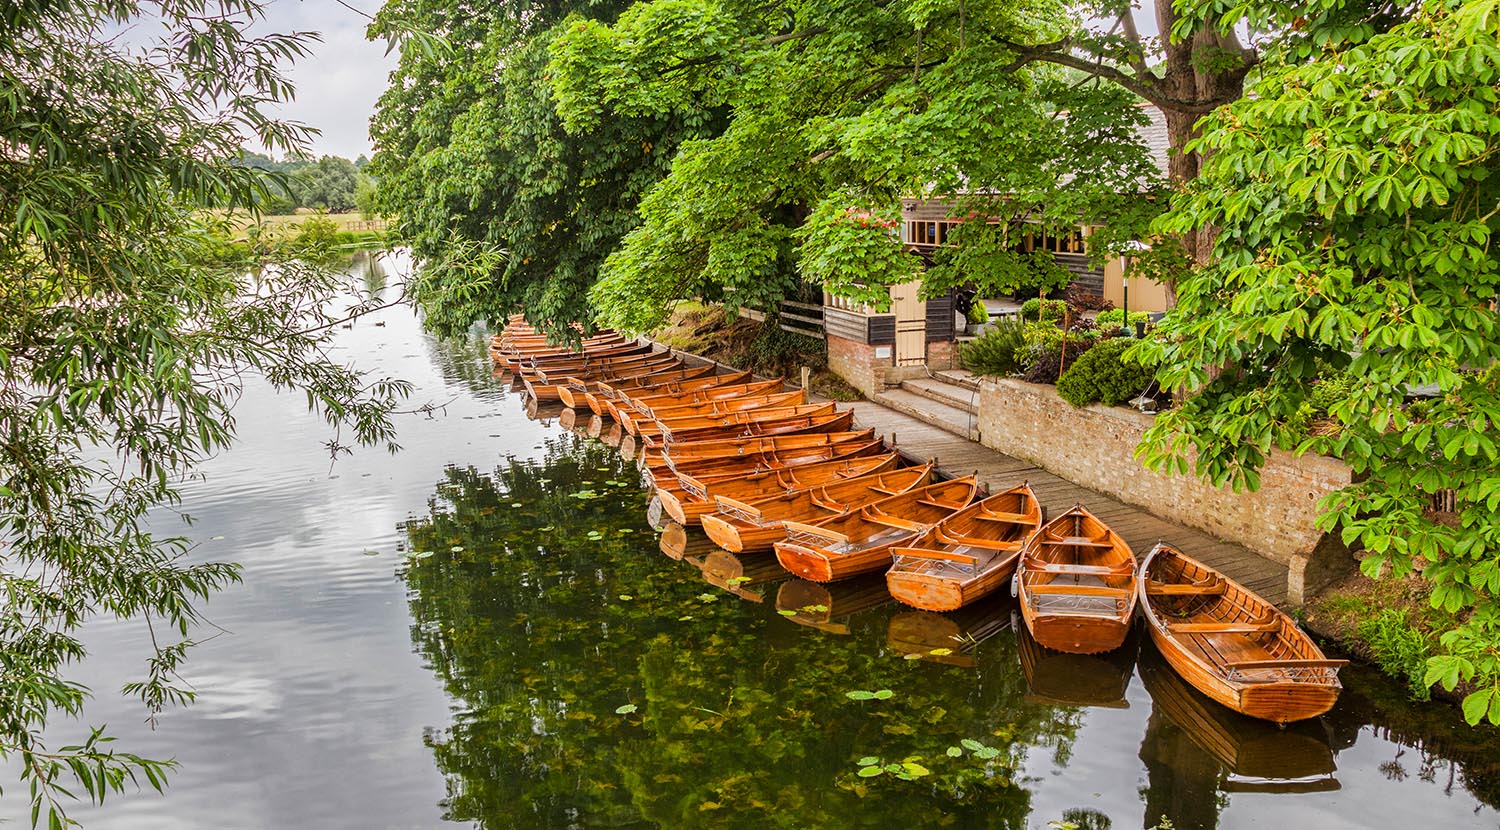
1094,446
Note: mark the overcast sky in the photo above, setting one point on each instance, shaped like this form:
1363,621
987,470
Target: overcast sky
338,84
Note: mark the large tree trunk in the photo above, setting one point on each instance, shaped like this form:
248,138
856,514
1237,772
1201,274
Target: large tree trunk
1185,80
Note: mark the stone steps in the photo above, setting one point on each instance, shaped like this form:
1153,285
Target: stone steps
942,415
944,392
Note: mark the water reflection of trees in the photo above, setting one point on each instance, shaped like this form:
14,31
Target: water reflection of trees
540,600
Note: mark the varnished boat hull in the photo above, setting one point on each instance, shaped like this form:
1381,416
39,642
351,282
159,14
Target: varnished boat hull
1273,671
816,566
1091,600
1074,634
931,593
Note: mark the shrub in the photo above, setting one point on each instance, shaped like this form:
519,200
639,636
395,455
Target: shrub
1046,362
1081,299
1114,318
1105,375
978,314
998,351
1400,650
1049,311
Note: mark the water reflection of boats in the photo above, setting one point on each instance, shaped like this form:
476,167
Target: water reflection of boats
677,542
1258,755
575,422
823,606
543,411
952,636
1058,678
744,575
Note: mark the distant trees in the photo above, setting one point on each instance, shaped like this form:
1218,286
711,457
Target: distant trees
330,183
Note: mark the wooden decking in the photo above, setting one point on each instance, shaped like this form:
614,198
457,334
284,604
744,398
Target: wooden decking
956,456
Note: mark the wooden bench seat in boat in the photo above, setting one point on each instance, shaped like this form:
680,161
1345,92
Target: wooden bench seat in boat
938,504
1224,627
1184,589
1077,590
894,521
1095,570
1002,517
1076,541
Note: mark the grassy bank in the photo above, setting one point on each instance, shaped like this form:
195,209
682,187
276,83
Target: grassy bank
1387,622
762,347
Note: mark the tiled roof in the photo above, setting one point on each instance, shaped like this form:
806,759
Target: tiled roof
1154,135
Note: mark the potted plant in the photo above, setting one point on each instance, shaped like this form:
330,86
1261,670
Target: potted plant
978,317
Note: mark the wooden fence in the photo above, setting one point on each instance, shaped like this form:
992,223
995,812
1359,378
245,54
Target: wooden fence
802,318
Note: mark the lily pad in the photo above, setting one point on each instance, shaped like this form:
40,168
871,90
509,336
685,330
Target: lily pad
627,709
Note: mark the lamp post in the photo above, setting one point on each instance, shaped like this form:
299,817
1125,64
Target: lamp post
1133,245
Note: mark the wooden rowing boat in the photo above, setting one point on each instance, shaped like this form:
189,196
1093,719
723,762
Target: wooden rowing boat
711,473
860,541
632,405
786,424
828,607
1076,584
1056,678
949,639
1231,644
967,555
686,454
578,392
538,385
757,525
692,499
792,420
656,421
612,396
561,360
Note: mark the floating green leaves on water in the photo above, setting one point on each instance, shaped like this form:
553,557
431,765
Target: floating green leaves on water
372,553
870,766
786,612
685,618
626,598
941,652
954,752
861,694
708,598
986,753
911,656
547,529
584,494
595,535
627,709
517,504
421,554
457,549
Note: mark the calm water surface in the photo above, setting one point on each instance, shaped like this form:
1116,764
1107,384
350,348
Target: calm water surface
485,631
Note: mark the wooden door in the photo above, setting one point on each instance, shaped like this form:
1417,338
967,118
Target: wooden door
911,324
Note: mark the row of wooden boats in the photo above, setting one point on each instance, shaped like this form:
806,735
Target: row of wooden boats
761,470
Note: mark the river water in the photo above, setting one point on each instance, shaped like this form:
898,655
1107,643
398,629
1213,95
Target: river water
483,631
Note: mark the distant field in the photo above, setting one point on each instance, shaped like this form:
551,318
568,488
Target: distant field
345,222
